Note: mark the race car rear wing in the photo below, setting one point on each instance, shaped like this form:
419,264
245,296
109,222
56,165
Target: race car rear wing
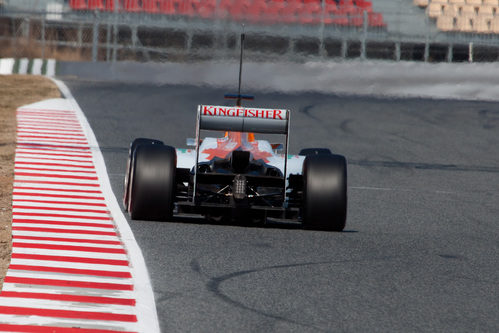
242,119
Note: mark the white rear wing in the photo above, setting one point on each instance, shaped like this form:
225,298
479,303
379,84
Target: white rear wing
242,119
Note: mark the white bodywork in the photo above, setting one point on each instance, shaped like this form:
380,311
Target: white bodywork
240,123
186,158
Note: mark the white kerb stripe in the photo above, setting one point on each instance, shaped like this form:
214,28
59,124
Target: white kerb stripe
37,67
23,66
51,67
6,66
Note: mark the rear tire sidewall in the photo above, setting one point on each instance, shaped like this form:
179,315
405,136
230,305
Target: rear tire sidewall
324,192
131,151
152,182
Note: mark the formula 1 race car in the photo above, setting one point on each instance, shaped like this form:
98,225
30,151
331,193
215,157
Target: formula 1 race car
237,176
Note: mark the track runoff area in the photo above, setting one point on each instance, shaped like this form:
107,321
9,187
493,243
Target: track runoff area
75,264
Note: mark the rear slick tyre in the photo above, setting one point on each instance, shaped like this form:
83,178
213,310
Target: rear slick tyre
152,182
324,192
131,150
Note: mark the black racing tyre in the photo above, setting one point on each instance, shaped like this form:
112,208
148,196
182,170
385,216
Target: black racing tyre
324,204
315,151
152,182
131,150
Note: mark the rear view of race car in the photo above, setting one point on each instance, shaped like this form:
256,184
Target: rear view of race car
236,176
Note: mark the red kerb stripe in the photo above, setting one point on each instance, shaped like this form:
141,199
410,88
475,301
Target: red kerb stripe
54,170
74,240
68,248
100,218
67,314
60,183
56,189
62,209
67,283
29,174
70,259
70,298
64,223
57,195
63,202
52,329
57,165
92,272
65,231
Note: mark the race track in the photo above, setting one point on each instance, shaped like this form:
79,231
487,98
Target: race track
420,251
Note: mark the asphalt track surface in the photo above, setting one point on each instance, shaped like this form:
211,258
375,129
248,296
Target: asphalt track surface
421,247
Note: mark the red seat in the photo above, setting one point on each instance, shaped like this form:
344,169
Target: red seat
376,20
330,12
239,9
95,5
348,10
166,7
132,6
150,6
78,4
205,8
257,11
356,21
273,11
185,7
311,12
290,12
110,5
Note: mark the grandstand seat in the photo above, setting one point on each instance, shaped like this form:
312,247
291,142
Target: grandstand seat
206,8
491,2
474,2
494,25
150,6
78,4
482,25
463,23
434,10
375,20
273,10
486,11
457,2
421,3
442,2
167,7
95,5
364,5
348,10
451,10
256,11
185,7
468,10
356,21
110,5
311,13
132,6
445,23
290,12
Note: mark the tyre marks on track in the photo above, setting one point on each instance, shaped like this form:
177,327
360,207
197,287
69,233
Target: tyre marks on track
70,270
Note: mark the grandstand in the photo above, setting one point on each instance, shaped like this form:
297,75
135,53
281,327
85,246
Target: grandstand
464,16
347,13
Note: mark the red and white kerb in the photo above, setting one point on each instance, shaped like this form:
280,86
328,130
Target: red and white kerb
70,271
